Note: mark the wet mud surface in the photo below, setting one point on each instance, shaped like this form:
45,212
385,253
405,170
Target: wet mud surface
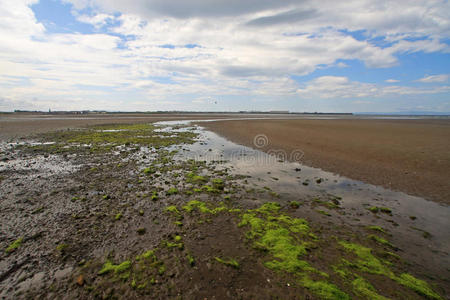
173,211
408,155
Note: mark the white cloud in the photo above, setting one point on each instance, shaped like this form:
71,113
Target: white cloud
17,20
98,20
246,48
205,100
434,78
362,102
392,80
335,87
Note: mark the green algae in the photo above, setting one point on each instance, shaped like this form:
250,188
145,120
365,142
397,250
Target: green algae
190,259
173,209
14,245
195,205
367,262
285,239
145,268
273,233
196,179
139,273
381,241
328,204
286,253
61,247
106,138
388,254
149,170
419,286
122,135
147,254
218,184
172,191
228,262
162,270
118,216
210,189
324,289
374,209
365,290
176,244
377,228
341,270
385,210
110,267
294,204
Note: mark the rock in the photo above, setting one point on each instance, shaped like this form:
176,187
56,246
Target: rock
80,280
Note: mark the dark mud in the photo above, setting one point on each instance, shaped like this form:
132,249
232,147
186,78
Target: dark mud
175,212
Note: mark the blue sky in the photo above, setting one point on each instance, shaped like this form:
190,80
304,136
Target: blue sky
143,55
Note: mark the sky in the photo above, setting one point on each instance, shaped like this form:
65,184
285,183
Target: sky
225,55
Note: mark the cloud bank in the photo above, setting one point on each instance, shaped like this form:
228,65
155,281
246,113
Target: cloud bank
144,55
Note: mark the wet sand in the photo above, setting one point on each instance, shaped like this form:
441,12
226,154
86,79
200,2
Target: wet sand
411,156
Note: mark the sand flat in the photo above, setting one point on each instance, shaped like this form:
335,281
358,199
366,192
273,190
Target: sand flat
16,125
412,156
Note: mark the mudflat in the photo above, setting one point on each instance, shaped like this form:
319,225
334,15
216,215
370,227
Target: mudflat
411,155
16,125
169,210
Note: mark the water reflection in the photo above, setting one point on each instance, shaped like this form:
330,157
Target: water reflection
411,216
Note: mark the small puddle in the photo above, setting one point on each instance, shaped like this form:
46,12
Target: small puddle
33,166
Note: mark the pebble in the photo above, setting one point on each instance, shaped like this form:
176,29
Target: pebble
80,280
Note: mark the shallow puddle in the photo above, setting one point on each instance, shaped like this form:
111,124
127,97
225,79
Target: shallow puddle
33,166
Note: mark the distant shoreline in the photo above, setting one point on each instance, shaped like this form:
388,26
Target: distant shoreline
88,112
